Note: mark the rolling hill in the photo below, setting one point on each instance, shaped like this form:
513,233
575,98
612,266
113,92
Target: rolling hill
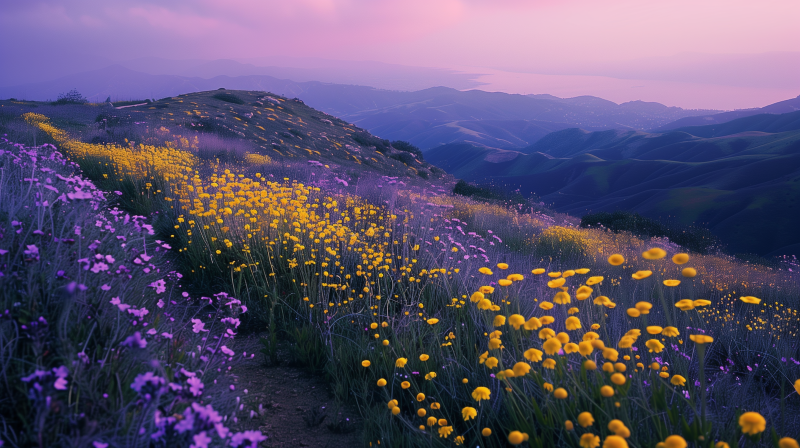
741,180
781,107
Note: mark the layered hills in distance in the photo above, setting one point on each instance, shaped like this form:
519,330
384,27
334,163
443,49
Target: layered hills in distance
740,178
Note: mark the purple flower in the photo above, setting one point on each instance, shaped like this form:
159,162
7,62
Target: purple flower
198,326
134,340
147,383
195,386
97,444
227,351
248,439
159,285
201,440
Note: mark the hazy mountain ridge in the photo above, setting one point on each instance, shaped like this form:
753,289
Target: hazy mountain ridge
427,117
781,107
740,179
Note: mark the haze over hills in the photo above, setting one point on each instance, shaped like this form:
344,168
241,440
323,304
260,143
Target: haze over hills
427,117
780,107
742,179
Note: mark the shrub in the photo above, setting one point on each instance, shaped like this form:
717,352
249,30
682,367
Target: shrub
228,98
694,238
368,140
71,97
404,146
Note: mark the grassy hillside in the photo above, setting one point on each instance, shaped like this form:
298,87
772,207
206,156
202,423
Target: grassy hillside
743,186
781,107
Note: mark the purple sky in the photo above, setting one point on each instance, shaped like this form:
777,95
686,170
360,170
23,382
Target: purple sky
691,53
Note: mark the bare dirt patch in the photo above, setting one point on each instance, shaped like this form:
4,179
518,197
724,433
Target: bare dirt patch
296,409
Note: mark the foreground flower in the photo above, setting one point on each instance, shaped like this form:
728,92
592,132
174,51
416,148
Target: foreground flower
750,299
752,423
366,363
585,419
639,275
680,258
248,439
675,442
469,413
678,380
788,442
433,321
381,382
701,339
481,393
615,442
589,440
689,272
797,386
515,438
655,253
616,260
400,363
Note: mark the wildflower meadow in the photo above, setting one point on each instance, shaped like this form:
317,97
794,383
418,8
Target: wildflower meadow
127,272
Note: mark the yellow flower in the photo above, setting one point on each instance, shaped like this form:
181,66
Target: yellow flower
655,253
572,310
562,298
573,323
515,277
554,274
583,292
391,404
430,376
607,391
626,342
571,348
685,305
499,320
610,354
654,345
495,343
400,363
538,271
643,307
672,282
533,324
485,271
618,379
585,348
469,413
373,325
405,384
515,438
435,405
491,362
486,289
548,387
589,440
788,442
654,329
689,272
590,336
752,423
678,380
535,355
750,299
633,312
486,432
502,266
701,302
594,280
476,297
432,421
481,393
616,260
521,368
365,363
445,431
556,283
639,275
424,357
680,258
560,393
582,271
432,321
619,428
675,441
504,282
420,396
585,419
547,320
422,412
569,273
546,305
797,386
549,363
568,425
485,304
615,442
516,320
395,410
701,339
551,346
670,332
381,382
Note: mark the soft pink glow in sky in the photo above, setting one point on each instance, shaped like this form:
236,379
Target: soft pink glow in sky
620,39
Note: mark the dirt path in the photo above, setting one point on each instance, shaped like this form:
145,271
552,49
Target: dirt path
289,397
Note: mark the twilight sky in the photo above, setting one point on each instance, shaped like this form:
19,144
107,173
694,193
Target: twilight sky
691,53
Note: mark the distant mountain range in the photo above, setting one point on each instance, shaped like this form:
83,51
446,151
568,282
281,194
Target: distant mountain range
427,118
780,107
740,178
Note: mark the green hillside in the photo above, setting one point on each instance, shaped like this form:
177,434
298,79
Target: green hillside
745,186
